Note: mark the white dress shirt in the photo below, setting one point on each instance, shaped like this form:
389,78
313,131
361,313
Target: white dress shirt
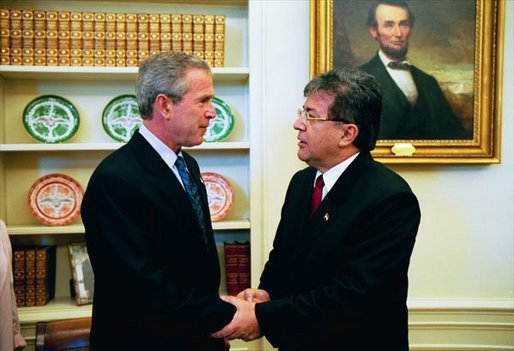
402,78
331,176
167,154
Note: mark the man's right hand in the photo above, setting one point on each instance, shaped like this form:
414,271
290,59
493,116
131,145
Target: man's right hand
254,295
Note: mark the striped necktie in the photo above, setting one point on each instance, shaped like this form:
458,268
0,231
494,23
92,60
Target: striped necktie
192,193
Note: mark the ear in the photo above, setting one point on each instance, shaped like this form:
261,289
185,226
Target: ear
163,105
373,32
350,132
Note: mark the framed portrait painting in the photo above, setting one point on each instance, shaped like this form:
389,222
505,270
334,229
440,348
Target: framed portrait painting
439,64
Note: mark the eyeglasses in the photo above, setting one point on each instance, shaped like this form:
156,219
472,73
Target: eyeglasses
306,117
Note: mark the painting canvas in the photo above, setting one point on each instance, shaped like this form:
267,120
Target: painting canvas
452,52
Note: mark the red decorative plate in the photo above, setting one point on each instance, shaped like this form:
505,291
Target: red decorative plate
220,195
55,199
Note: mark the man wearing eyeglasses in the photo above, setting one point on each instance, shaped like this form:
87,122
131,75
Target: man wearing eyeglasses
337,275
414,106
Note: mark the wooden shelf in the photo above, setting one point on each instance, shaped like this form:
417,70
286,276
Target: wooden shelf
237,145
102,73
79,228
58,308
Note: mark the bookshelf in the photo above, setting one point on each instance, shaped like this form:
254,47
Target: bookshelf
23,159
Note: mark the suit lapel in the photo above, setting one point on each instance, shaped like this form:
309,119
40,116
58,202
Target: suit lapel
332,206
164,180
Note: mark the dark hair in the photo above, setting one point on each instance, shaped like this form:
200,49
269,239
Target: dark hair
357,99
372,14
164,73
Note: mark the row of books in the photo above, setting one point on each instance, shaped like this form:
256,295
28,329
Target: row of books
68,38
237,266
34,274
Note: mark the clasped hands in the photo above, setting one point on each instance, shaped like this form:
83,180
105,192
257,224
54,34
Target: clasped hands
244,325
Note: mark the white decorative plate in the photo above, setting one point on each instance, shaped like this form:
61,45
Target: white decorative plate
51,119
219,194
121,117
55,199
221,126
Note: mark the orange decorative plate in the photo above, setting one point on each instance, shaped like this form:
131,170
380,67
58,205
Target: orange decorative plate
55,199
220,195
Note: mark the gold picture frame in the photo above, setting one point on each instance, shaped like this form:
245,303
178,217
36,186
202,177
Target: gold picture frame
485,55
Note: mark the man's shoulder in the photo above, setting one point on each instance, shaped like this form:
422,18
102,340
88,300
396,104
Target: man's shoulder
372,65
378,176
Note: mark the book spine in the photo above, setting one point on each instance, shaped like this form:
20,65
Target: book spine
243,264
143,36
154,35
199,36
209,40
30,276
76,39
19,274
176,32
16,37
27,37
219,41
131,40
231,268
165,32
63,35
40,38
110,39
45,274
88,38
121,40
51,38
99,41
5,37
187,34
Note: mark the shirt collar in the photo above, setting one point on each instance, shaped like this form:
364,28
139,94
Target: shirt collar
385,60
167,154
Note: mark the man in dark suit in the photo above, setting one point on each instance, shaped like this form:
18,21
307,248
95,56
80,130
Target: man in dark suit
336,278
414,106
148,230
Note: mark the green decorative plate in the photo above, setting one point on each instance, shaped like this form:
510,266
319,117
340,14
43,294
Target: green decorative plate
221,126
121,117
51,119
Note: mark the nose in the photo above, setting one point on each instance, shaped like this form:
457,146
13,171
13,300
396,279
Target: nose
211,111
397,31
299,124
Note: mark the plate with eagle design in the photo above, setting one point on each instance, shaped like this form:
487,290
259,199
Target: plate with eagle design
121,117
220,195
55,199
51,119
221,126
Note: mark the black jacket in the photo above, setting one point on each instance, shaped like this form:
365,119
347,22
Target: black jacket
156,281
339,280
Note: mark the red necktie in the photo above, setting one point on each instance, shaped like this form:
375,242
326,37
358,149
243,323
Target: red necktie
317,193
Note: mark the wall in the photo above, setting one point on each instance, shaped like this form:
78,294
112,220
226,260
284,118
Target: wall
462,288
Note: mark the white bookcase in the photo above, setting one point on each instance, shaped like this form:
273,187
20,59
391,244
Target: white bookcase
23,159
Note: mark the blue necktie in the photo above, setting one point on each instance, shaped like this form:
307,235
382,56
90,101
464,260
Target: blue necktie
192,192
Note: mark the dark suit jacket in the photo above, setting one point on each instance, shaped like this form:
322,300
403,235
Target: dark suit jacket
339,280
431,118
156,281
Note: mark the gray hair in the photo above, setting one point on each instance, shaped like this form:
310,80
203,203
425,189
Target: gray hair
164,73
357,100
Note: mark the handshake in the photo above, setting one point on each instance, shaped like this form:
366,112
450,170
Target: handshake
244,325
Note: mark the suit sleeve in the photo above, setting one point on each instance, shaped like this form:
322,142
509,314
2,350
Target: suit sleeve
115,233
373,275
